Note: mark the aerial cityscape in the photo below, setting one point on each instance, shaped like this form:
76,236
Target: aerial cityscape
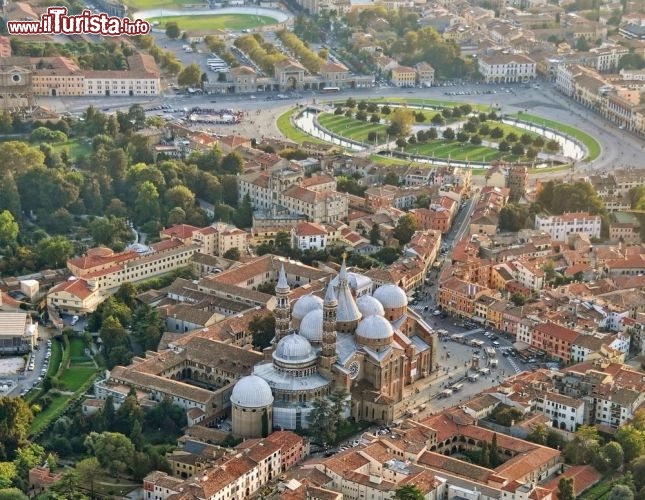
322,249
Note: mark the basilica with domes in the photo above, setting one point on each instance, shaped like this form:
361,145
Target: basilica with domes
359,338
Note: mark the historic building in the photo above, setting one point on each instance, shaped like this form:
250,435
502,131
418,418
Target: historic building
371,347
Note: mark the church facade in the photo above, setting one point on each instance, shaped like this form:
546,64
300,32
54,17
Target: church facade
363,341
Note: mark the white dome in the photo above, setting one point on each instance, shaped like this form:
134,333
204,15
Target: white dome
375,328
369,306
252,392
294,348
311,326
354,280
391,296
305,304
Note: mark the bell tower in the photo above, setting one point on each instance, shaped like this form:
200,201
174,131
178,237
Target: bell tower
330,306
282,312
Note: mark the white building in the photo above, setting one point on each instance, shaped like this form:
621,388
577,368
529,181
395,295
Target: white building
120,83
507,68
529,276
560,227
566,412
309,236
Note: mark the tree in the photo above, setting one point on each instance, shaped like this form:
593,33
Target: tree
147,326
494,452
89,471
9,196
631,440
475,139
497,133
232,253
387,255
180,196
438,119
448,134
400,122
462,137
190,76
243,217
484,455
620,492
265,423
113,450
375,234
405,228
146,206
526,139
613,456
517,149
7,474
321,421
172,30
566,489
519,300
12,494
375,118
409,492
262,329
553,146
69,487
503,146
233,163
539,433
583,448
8,228
18,157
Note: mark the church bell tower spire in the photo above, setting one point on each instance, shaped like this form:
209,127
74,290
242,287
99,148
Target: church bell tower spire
282,311
330,307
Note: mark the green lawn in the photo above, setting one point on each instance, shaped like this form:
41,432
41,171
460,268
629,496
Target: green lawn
454,150
75,147
156,4
351,127
234,22
75,376
290,132
416,101
592,145
42,419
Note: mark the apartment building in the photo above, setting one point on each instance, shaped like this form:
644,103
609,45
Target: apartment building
75,296
560,227
60,76
555,340
107,270
403,76
458,297
566,413
235,476
215,239
309,236
507,68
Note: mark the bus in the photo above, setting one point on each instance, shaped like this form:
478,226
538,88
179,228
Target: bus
329,90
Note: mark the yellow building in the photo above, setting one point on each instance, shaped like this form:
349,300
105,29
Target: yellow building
404,76
75,296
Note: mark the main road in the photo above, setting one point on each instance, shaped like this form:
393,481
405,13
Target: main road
619,148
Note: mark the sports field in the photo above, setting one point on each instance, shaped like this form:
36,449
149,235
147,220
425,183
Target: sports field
234,22
157,4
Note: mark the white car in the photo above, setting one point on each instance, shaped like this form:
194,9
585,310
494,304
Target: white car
74,320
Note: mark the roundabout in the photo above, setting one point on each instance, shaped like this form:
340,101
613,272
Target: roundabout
441,133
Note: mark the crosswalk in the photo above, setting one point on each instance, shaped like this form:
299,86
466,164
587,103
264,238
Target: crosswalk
510,360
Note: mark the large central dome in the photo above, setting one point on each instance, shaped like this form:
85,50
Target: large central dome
251,392
294,348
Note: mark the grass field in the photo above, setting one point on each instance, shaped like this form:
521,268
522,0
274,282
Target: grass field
592,145
416,101
75,147
290,132
233,22
42,419
75,376
454,150
157,4
352,128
